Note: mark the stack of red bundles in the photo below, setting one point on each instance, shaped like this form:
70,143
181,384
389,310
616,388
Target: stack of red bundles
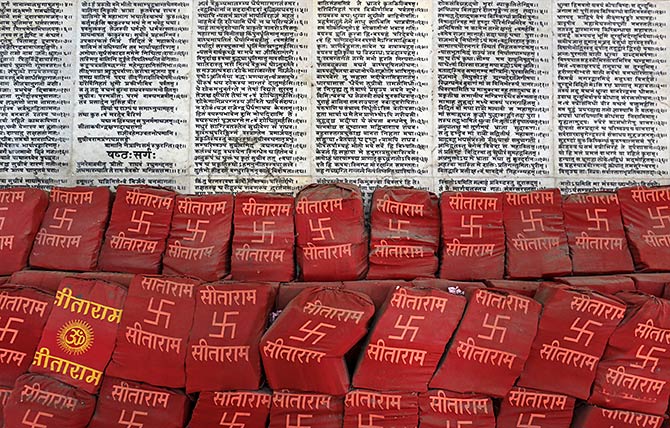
41,402
138,228
155,328
21,212
530,408
223,348
305,410
604,284
651,283
441,409
131,404
598,417
405,341
571,338
473,237
264,238
491,344
634,372
199,241
381,409
79,335
595,234
23,314
305,347
405,233
536,242
331,235
75,221
244,409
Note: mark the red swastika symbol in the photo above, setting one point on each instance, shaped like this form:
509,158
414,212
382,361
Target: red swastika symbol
224,324
196,230
313,332
534,221
659,217
407,327
61,214
472,225
321,229
648,357
36,422
494,328
233,423
298,421
582,331
597,220
263,232
8,330
132,423
159,312
141,222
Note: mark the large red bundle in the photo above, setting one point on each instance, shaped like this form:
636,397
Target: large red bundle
604,284
473,237
223,348
331,235
595,234
41,402
491,344
23,313
404,233
138,228
305,347
21,212
241,409
650,283
71,233
79,335
598,417
136,405
405,342
531,408
634,372
155,329
571,338
264,237
305,411
440,409
536,242
381,409
199,241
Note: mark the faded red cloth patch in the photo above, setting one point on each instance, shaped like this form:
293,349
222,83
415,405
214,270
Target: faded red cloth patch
247,409
363,408
305,410
532,408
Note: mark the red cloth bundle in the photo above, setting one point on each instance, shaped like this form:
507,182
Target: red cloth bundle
243,409
199,241
138,228
536,242
491,344
71,233
439,409
264,239
155,328
305,410
331,235
531,408
598,417
364,408
603,284
405,341
473,237
405,233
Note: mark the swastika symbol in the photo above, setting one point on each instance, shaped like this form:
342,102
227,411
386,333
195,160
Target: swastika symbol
141,222
321,229
582,331
472,225
224,324
233,423
530,422
399,231
8,330
263,232
597,220
370,422
313,332
159,312
648,357
659,217
132,423
534,221
196,230
407,327
494,328
61,214
460,424
36,422
298,421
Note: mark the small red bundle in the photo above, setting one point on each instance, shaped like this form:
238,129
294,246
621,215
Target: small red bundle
305,410
599,417
331,235
364,408
199,241
264,238
72,229
473,236
243,409
138,228
405,233
21,212
439,409
531,408
491,345
155,329
536,242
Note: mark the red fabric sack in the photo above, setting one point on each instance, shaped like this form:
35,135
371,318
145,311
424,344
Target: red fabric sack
71,232
603,284
243,409
595,234
440,409
599,417
571,338
473,237
125,403
291,410
404,347
332,242
21,212
264,239
223,348
491,344
78,338
369,409
23,314
650,283
42,402
138,228
155,328
305,347
538,409
525,288
199,241
535,237
404,233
